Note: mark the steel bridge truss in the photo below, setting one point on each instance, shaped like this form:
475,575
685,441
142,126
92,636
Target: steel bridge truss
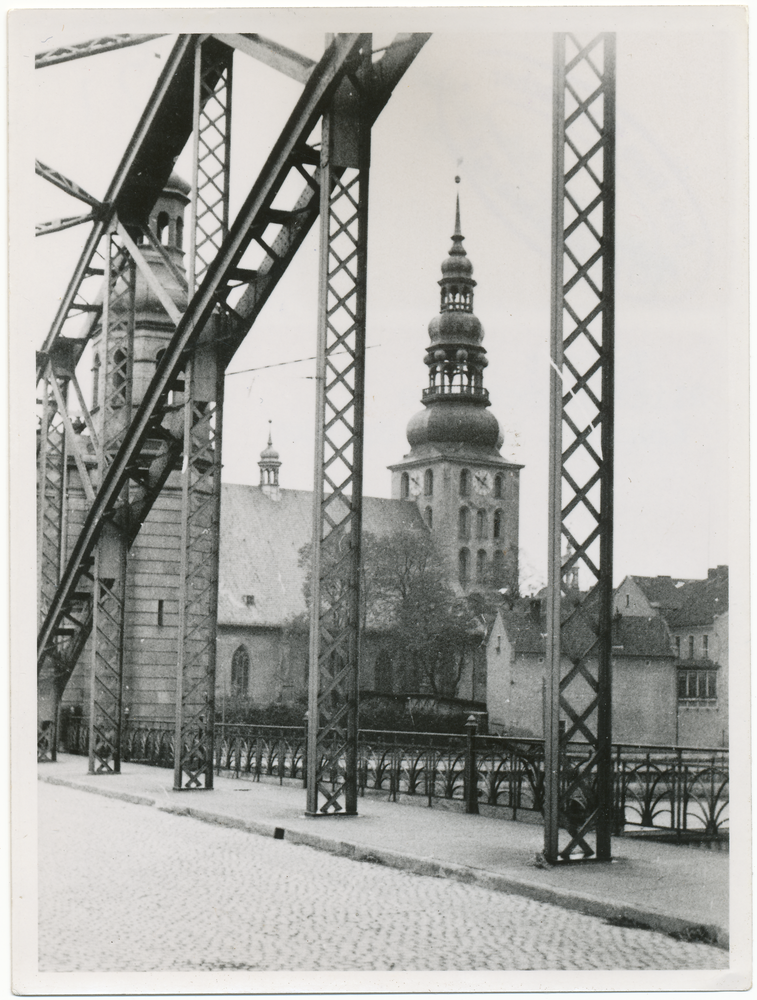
142,441
340,381
578,795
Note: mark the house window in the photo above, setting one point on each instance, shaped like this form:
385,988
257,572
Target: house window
705,647
697,685
404,486
628,599
498,487
240,672
463,566
429,517
463,523
691,647
678,646
464,483
428,483
481,524
249,600
480,566
160,612
497,533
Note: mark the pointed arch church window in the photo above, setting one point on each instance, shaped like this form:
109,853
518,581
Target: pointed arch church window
240,672
428,483
464,483
498,487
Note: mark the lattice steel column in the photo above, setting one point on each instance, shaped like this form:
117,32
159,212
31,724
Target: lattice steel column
52,470
109,571
338,494
51,492
203,412
578,795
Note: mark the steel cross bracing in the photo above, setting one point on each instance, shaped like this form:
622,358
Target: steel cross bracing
337,505
163,130
578,791
203,411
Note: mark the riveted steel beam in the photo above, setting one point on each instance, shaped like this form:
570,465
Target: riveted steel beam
107,43
65,184
578,786
278,57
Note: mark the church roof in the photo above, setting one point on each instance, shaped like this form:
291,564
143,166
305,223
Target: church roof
261,540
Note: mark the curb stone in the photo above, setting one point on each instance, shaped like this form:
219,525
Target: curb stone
581,902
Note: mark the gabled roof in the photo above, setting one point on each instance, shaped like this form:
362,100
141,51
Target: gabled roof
260,547
704,600
631,636
663,592
687,602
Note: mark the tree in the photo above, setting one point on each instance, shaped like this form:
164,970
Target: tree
406,596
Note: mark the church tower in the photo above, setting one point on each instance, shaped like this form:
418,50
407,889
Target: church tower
466,491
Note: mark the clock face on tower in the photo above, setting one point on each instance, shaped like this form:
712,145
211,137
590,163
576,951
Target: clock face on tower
482,482
415,485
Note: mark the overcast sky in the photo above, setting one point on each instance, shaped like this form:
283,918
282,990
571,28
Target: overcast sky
477,104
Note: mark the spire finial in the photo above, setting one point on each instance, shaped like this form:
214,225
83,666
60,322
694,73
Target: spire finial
457,249
269,433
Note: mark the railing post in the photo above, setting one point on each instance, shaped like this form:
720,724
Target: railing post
305,752
471,782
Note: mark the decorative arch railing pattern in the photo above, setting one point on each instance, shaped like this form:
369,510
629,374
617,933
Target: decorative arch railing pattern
679,790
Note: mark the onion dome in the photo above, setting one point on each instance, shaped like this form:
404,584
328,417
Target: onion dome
177,186
269,453
462,424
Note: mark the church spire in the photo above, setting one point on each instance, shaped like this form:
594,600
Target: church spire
455,397
269,467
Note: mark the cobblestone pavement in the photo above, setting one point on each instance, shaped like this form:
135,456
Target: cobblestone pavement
128,888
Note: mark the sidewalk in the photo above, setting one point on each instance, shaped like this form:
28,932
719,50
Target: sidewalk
672,889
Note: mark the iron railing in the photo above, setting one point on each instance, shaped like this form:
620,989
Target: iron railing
679,790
